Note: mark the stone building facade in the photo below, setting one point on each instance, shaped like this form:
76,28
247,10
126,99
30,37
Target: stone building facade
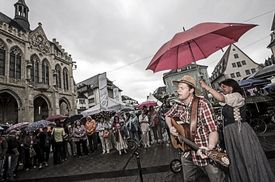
36,75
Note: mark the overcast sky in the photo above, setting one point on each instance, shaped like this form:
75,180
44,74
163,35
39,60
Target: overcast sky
121,36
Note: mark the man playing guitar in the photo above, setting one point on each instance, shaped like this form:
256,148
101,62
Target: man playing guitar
203,131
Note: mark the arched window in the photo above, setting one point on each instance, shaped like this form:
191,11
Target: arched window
15,63
58,76
65,79
2,57
35,68
45,72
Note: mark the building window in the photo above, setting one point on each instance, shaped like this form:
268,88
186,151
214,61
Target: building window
58,76
232,75
90,92
233,49
247,72
233,65
82,101
236,56
2,61
239,64
45,72
243,62
253,70
91,100
238,74
36,72
15,63
35,68
65,79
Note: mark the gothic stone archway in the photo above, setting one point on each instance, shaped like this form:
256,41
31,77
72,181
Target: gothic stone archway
8,108
64,107
41,109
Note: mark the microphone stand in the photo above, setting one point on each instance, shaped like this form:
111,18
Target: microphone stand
135,153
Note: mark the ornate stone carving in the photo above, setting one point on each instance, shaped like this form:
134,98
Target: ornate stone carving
39,40
2,45
16,51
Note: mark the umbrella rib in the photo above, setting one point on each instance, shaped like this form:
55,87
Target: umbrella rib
199,48
178,56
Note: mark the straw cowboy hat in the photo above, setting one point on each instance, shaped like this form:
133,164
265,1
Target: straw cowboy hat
189,80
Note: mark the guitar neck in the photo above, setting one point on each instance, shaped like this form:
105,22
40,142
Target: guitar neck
190,143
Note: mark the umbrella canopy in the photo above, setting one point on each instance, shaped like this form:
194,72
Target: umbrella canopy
270,88
18,126
4,126
73,118
266,72
56,117
127,109
147,104
96,110
39,124
196,43
249,83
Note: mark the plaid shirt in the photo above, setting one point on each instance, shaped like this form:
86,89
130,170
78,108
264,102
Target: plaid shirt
205,124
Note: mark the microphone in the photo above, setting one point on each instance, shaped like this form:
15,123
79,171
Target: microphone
176,101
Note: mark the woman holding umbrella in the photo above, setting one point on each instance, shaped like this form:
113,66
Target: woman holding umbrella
248,160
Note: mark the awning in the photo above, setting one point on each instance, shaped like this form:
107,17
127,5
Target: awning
266,72
113,106
257,99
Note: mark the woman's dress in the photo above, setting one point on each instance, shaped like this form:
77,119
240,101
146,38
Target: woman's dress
248,160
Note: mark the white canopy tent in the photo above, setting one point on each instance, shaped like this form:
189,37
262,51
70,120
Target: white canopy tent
113,105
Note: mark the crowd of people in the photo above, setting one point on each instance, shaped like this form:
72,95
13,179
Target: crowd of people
90,135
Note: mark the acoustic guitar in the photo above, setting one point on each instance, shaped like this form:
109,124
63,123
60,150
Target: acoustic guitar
182,142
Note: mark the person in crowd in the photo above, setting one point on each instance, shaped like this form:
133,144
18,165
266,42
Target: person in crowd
13,154
69,131
90,126
58,133
162,110
133,126
80,138
248,160
144,126
155,124
36,149
204,133
44,145
27,141
64,147
120,143
3,151
103,132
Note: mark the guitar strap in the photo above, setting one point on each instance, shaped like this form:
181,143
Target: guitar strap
194,117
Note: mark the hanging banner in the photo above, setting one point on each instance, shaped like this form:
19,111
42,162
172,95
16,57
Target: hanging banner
103,92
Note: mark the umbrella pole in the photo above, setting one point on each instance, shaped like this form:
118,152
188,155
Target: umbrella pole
257,107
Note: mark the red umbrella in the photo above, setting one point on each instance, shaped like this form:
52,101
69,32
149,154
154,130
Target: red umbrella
56,117
147,104
196,43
